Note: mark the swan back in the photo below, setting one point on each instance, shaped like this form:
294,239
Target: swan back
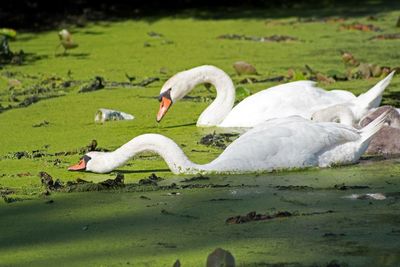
284,143
295,98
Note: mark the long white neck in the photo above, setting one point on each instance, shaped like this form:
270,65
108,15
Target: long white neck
165,147
217,111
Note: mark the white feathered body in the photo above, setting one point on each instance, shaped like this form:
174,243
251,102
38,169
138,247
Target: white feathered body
292,142
301,98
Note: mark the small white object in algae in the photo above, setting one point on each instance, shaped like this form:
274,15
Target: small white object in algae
103,115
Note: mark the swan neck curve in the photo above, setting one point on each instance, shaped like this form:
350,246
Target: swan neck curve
173,155
217,111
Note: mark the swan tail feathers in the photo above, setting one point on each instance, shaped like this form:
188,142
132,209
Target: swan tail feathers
373,97
372,128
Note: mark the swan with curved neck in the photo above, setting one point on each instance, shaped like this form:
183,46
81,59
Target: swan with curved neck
292,142
301,98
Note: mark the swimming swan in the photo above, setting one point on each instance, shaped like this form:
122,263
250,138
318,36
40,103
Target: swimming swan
292,142
301,98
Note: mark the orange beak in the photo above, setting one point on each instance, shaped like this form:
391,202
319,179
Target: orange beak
164,106
78,167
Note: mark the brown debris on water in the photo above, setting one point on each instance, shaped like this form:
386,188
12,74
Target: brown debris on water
363,70
118,181
253,216
85,186
343,187
360,27
294,187
96,84
272,38
242,67
47,181
387,36
153,179
195,179
349,59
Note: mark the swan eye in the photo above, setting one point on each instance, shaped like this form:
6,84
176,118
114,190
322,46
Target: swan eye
166,94
86,158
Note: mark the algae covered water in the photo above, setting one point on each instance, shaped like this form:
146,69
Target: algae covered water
314,217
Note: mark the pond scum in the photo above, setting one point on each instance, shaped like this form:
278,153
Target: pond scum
132,217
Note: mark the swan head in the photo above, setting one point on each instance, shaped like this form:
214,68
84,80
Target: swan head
174,90
337,113
179,85
93,162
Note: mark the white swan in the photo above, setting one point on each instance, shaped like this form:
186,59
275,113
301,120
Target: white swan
351,112
292,142
301,98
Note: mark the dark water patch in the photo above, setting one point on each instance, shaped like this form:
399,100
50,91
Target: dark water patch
74,55
387,36
8,199
195,178
218,140
153,179
225,199
333,235
272,38
39,153
89,32
187,216
166,245
146,82
294,187
96,84
253,216
350,187
85,186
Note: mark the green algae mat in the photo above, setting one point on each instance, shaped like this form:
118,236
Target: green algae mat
315,217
